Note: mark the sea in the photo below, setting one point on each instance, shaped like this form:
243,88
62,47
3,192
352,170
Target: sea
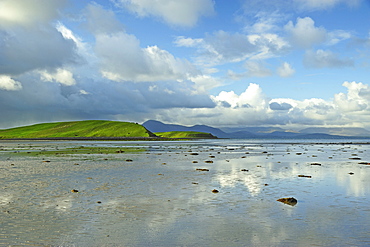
219,192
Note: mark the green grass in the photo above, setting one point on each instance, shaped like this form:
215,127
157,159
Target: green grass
184,134
88,128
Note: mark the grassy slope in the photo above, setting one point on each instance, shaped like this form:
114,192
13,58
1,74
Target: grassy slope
89,128
184,134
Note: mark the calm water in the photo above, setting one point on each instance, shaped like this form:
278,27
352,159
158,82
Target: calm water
155,196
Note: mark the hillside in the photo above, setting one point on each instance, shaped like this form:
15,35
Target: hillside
88,128
156,126
185,134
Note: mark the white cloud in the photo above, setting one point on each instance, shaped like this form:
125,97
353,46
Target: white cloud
304,34
8,84
102,21
257,69
222,47
325,59
28,12
285,70
122,59
323,4
353,101
61,76
176,13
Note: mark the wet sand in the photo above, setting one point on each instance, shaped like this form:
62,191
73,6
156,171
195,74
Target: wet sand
163,193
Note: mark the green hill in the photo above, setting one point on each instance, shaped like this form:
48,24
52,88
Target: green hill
185,134
88,128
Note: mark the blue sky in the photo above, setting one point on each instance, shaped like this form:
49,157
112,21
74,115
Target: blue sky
292,64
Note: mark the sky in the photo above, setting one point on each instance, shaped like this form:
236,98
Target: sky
292,64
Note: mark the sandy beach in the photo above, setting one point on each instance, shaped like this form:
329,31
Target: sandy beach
184,193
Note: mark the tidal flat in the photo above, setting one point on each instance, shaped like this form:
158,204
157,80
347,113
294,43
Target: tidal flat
184,193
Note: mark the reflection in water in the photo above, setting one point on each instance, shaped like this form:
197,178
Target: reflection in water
161,198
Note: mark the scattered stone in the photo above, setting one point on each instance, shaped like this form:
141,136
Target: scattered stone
304,176
98,202
351,173
128,160
215,191
364,163
194,154
202,169
212,156
288,200
315,164
46,161
76,164
194,161
208,161
74,191
266,184
244,170
194,183
355,158
298,153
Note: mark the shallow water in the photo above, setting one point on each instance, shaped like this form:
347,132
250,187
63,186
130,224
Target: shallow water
155,196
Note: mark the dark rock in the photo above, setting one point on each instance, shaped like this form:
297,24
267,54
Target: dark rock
202,169
304,176
288,200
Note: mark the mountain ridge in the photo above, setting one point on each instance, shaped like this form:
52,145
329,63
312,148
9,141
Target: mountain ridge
262,132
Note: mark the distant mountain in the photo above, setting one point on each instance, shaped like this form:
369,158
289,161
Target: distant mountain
156,126
360,132
261,132
255,130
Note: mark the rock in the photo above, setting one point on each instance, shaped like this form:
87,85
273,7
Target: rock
74,191
351,173
304,176
244,170
288,200
128,160
202,169
215,191
315,164
208,161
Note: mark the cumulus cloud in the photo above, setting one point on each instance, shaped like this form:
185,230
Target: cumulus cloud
253,107
355,99
304,33
62,76
8,84
175,13
122,59
28,13
325,59
26,32
285,70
